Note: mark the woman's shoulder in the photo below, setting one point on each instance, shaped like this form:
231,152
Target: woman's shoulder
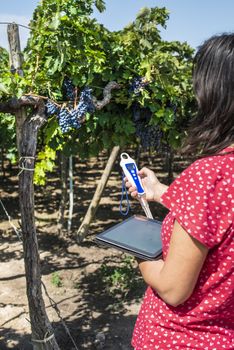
202,198
217,166
203,178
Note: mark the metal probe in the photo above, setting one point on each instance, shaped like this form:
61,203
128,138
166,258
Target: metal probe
145,206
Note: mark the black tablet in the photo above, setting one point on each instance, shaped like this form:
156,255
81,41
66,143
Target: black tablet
137,235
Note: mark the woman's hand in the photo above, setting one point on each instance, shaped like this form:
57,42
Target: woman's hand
152,186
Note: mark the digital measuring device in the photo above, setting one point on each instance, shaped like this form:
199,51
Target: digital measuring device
131,172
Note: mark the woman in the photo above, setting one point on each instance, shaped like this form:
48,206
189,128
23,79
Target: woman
190,298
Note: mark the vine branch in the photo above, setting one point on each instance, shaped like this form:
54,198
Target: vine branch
11,106
14,104
99,104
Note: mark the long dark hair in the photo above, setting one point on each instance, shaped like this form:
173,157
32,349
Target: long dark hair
213,81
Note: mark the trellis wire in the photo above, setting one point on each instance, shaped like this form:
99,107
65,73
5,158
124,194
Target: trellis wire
54,305
18,232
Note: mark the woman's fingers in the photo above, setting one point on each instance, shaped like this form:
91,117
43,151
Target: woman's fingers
134,194
131,189
128,183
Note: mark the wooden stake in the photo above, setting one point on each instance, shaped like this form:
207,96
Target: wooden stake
84,227
27,128
16,61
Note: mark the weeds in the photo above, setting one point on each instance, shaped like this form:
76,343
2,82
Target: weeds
56,279
123,280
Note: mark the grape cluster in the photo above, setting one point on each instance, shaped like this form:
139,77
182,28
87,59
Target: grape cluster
141,115
85,104
68,89
64,120
137,85
68,119
51,108
149,135
72,118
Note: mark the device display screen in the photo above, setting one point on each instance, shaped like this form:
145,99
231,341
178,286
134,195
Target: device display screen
130,166
137,233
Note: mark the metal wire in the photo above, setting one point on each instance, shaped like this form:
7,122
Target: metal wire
54,305
18,232
20,25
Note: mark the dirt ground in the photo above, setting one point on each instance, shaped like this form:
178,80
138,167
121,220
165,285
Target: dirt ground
77,276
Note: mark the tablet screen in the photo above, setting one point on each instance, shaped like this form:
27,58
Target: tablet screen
137,233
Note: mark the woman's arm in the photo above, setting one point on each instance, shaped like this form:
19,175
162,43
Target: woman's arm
175,278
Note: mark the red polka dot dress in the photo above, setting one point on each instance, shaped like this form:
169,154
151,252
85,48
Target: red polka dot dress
201,199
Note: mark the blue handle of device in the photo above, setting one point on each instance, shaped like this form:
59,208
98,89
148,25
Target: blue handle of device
132,170
140,189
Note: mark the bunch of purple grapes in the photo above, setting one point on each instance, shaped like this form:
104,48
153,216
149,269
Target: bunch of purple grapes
140,114
51,108
68,119
68,89
137,85
72,118
149,135
85,104
63,115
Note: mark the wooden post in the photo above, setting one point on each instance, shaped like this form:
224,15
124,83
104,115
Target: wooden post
16,58
84,227
27,129
16,61
63,200
71,195
40,324
169,159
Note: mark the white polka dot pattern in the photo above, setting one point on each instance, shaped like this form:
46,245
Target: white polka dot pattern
201,199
